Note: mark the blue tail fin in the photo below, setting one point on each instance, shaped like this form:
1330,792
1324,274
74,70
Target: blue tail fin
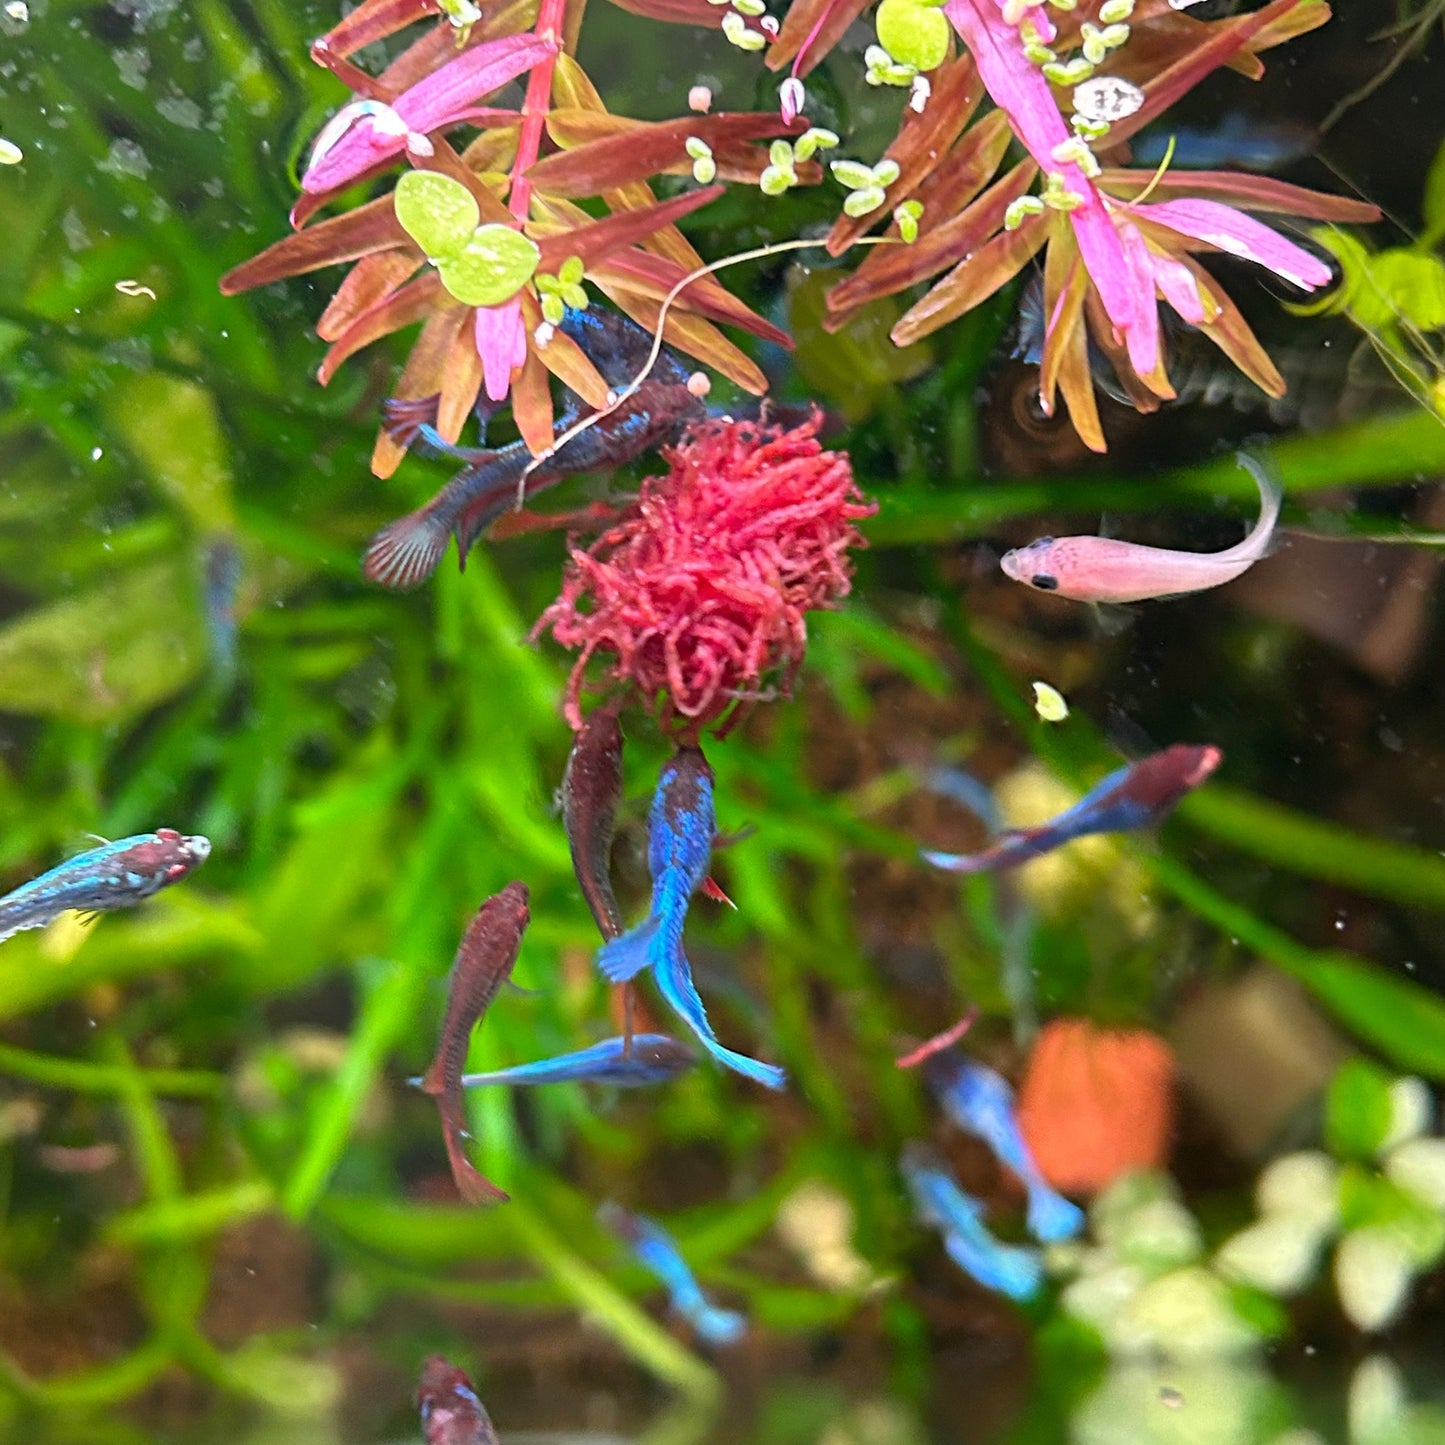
716,1326
1051,1217
624,958
674,983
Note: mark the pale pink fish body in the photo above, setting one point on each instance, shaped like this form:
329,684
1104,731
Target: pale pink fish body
1101,569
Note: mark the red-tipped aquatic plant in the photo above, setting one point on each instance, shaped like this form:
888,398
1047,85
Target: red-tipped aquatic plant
484,245
1072,83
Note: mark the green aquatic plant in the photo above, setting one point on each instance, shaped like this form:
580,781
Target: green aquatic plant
369,767
1377,1197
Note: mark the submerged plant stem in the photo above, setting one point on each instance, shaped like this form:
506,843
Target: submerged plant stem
87,1078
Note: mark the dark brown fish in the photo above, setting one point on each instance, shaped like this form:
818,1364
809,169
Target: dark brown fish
451,1413
591,790
484,961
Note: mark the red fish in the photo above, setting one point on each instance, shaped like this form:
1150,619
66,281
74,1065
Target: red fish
591,790
451,1413
484,961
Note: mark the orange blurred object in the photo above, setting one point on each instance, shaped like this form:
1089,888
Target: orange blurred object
1096,1103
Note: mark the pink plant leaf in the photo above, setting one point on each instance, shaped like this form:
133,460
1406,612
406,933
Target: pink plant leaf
810,30
440,100
1229,230
502,345
1019,88
1177,286
1141,339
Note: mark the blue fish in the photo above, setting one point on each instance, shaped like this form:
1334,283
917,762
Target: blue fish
1131,797
960,786
681,827
1013,1270
655,1250
1236,142
115,875
406,553
654,1059
980,1102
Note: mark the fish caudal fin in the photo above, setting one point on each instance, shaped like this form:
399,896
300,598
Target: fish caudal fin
406,553
472,1184
1052,1218
716,1326
1013,1271
674,982
624,958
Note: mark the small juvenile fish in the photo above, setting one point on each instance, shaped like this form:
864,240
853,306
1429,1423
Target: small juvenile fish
591,790
655,1250
484,961
222,564
1103,569
624,1063
1237,142
1013,1270
451,1413
1131,797
980,1102
406,553
681,827
115,875
938,1042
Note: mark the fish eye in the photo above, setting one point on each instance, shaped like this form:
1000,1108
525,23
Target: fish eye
1044,582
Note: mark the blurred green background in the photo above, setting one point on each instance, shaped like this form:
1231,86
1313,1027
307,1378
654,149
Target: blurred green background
225,1215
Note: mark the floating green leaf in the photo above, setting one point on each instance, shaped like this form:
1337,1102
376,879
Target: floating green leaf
913,34
496,263
438,213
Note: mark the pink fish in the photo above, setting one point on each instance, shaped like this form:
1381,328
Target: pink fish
1101,569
